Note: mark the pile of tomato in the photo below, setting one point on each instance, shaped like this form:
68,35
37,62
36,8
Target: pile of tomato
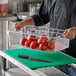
42,42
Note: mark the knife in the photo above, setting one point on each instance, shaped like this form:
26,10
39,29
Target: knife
33,59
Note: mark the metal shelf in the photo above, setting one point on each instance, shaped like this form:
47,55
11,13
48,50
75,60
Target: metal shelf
50,71
9,17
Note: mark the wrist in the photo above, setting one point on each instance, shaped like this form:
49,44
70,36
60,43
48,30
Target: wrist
24,22
28,21
74,29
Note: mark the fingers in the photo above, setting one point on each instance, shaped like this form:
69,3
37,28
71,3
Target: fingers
18,26
69,33
69,36
65,33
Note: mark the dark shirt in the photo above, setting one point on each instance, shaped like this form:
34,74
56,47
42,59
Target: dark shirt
61,14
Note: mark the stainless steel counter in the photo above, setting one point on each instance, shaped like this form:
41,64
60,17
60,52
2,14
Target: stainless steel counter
9,17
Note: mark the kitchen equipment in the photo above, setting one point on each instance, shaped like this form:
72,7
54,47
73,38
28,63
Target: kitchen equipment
3,7
33,8
60,42
23,15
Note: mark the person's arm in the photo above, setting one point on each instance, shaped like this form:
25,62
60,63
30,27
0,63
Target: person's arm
26,22
42,16
39,19
70,33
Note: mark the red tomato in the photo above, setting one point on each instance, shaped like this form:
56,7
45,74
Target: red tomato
22,41
27,43
42,47
44,37
31,38
42,41
53,42
34,45
51,46
50,40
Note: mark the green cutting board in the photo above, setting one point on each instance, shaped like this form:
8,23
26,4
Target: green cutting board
56,59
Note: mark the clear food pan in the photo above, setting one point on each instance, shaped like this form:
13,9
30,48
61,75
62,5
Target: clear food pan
39,39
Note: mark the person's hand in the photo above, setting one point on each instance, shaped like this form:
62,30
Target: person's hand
19,25
26,22
70,33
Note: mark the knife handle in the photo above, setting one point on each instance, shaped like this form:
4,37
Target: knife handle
23,56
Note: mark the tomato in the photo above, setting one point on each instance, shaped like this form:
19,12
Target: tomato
42,47
42,41
51,46
22,41
27,43
50,40
43,37
31,38
34,45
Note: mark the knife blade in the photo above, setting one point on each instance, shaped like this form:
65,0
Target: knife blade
35,59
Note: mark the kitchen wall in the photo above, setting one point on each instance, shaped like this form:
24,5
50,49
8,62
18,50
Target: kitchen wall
20,5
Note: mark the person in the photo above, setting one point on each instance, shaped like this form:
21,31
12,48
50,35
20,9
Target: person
62,15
